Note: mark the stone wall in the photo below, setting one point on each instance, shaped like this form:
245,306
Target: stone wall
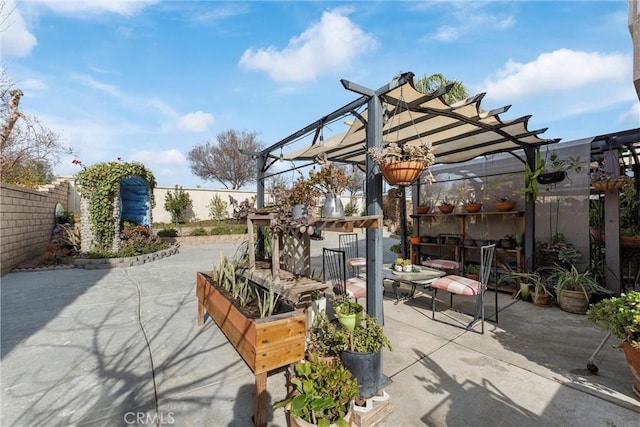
27,219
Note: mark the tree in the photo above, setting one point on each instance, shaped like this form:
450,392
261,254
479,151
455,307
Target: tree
355,182
28,150
223,162
177,203
427,84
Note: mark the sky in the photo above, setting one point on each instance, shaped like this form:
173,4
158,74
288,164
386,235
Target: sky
149,80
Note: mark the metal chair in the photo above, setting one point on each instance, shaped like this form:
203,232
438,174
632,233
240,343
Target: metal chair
334,271
468,287
349,244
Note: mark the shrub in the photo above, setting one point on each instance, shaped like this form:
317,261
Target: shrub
177,203
198,232
228,229
168,232
351,208
217,208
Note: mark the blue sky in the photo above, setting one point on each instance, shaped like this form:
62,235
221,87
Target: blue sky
148,80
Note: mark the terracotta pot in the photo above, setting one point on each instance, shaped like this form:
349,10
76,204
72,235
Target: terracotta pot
415,240
504,206
401,173
574,301
630,241
633,360
472,207
446,209
421,210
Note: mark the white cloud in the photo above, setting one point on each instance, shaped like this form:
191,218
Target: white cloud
632,115
83,8
328,46
195,122
558,70
472,17
32,85
166,157
220,12
165,165
16,38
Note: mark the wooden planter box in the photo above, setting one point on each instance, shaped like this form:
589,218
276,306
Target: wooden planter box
264,344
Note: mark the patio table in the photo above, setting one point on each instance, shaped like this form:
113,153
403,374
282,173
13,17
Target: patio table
424,277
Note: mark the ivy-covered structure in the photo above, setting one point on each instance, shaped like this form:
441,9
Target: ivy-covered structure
111,193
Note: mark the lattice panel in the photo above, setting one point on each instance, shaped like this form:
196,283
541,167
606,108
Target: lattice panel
294,252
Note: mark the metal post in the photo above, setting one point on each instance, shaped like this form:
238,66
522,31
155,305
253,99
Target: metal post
613,270
530,217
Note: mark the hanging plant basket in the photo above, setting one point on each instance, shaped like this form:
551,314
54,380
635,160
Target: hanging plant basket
609,185
401,173
551,177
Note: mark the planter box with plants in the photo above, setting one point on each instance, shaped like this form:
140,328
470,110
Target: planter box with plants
621,317
266,332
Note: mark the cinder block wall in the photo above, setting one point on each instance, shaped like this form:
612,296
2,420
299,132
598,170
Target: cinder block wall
27,218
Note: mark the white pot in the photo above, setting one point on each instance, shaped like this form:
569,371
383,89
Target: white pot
398,268
314,309
407,268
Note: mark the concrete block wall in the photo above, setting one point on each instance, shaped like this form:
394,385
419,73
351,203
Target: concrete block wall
27,220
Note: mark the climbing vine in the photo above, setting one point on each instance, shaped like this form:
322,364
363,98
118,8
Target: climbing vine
100,182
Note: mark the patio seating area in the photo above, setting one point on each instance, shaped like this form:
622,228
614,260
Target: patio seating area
121,346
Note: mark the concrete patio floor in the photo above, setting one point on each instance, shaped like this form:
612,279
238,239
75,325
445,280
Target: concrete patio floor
120,347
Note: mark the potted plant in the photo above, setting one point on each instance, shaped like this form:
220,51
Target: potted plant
349,314
472,271
423,208
504,204
534,283
317,306
558,251
483,239
574,288
326,339
323,395
547,173
396,248
446,207
363,356
331,180
555,170
402,164
621,316
302,195
507,242
472,205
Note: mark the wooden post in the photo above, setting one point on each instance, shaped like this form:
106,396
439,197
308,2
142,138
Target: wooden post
260,416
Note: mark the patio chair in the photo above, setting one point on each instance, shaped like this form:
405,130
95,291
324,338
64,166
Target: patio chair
446,242
468,287
349,244
334,271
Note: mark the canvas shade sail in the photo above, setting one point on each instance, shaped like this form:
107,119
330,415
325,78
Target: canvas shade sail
457,132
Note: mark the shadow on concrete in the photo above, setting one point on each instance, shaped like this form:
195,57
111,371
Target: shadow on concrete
29,301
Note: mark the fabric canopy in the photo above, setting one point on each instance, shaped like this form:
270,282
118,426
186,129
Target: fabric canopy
457,132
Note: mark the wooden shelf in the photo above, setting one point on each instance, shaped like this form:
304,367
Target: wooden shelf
460,251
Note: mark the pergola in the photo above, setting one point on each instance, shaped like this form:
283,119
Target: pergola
397,112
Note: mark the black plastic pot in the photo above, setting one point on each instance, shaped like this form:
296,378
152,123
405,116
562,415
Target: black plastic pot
367,368
551,177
